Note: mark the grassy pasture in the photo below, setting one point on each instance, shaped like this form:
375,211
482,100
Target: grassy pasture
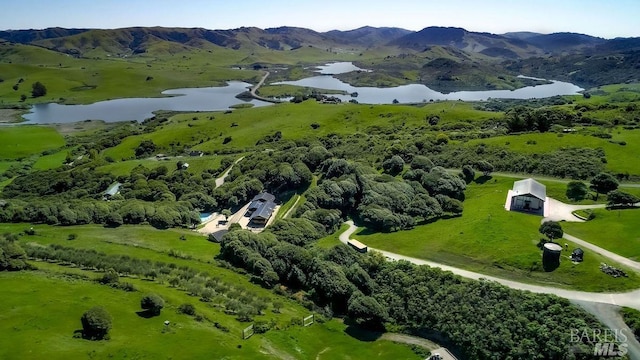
196,164
493,241
621,233
209,130
47,304
51,161
22,141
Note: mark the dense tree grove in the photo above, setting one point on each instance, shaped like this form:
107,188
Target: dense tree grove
487,320
575,163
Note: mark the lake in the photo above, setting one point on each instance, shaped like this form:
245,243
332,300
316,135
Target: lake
415,93
221,98
138,109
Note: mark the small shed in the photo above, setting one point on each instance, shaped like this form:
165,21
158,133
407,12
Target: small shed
577,255
528,195
111,191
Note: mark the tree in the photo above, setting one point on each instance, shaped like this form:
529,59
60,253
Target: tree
603,183
12,256
153,303
577,190
110,277
366,310
96,323
145,149
226,213
551,229
618,197
422,162
393,165
485,167
38,89
468,174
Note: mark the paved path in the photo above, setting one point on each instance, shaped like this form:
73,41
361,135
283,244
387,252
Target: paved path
610,316
257,86
559,211
630,299
286,215
606,253
542,178
220,180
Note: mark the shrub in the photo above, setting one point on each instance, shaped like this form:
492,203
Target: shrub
96,323
187,309
152,303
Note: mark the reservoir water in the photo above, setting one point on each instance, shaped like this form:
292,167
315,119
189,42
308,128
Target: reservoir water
415,93
221,98
138,109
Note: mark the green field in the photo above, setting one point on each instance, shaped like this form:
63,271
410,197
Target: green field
490,240
247,126
21,141
51,161
621,235
47,304
620,158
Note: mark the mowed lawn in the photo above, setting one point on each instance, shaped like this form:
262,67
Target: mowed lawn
21,141
615,230
620,158
490,240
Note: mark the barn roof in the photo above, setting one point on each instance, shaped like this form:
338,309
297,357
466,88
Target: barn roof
113,189
530,187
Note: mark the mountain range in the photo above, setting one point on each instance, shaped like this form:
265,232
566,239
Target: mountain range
137,40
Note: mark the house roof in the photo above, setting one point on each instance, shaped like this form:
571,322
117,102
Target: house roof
264,196
530,187
264,211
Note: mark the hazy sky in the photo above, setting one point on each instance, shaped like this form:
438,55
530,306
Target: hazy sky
605,18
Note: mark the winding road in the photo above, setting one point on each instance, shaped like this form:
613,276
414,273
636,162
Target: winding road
629,299
220,180
257,86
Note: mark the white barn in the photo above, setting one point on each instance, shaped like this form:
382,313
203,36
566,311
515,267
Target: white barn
527,195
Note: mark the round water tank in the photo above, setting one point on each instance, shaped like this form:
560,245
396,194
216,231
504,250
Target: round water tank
551,256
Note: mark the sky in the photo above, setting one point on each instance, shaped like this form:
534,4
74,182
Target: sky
603,18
